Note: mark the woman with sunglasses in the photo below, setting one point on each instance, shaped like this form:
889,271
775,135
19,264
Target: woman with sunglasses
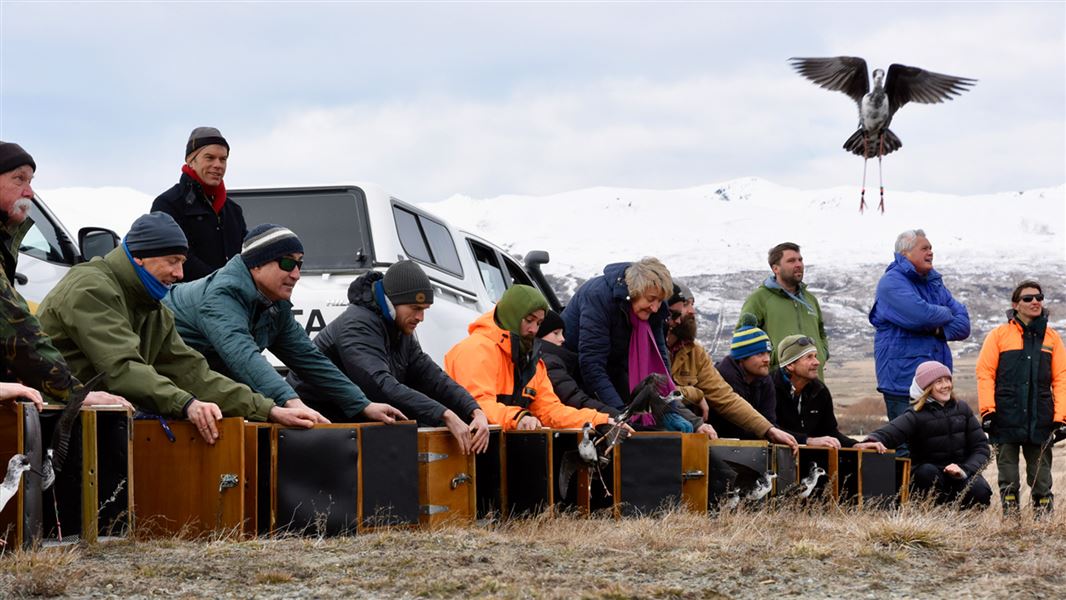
235,313
1021,393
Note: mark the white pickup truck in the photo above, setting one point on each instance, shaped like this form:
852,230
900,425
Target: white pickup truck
349,229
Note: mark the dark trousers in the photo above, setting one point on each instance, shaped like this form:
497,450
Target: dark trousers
929,478
1037,469
896,405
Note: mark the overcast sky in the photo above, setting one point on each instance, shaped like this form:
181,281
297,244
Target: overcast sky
431,100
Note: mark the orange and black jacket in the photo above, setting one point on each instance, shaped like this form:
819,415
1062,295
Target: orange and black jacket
1021,381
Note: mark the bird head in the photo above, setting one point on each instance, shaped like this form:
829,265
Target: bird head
879,76
18,464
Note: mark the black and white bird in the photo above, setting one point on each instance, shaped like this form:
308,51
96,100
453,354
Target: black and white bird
18,465
56,454
806,485
890,92
731,500
762,487
586,454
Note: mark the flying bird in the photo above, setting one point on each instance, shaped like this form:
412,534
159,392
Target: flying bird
586,453
903,84
56,454
762,487
18,465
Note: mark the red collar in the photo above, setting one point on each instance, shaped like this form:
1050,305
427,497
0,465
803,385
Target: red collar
216,193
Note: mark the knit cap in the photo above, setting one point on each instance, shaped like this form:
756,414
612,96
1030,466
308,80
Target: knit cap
156,234
406,283
552,322
681,294
748,339
269,242
12,156
517,302
793,348
924,376
204,136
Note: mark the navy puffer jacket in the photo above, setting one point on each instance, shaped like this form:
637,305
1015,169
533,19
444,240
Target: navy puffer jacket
597,328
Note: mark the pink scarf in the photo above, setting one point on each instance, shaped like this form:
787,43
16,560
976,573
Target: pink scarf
644,357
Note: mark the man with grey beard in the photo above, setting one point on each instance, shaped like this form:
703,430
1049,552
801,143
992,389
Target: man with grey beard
28,356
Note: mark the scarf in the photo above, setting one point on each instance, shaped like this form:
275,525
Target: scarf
156,289
644,357
216,193
771,282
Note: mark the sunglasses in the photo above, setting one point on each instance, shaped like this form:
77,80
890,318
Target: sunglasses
1031,297
287,264
675,315
802,342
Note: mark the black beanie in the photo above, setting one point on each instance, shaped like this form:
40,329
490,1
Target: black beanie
156,234
406,283
204,136
268,242
681,294
12,156
552,321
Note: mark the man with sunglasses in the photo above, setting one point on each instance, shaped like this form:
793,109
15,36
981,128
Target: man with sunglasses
1021,395
106,316
235,313
804,404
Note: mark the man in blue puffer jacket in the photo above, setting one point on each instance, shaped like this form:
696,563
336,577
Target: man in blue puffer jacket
915,317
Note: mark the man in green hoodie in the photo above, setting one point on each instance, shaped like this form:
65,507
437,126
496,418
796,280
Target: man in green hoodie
105,316
784,307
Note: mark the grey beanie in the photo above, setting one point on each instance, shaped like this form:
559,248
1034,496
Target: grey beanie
268,242
204,136
406,283
12,156
156,234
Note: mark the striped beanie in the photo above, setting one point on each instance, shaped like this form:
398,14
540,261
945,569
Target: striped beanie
748,339
269,242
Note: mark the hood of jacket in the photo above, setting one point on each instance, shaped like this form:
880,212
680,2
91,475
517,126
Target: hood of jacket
615,274
1038,325
485,326
905,267
361,291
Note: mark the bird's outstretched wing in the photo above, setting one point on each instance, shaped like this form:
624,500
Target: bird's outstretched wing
846,74
905,84
61,434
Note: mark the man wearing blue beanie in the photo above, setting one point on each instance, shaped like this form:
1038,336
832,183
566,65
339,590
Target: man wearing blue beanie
747,370
238,311
105,316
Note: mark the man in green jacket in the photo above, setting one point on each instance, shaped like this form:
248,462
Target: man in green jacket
238,311
784,307
28,355
105,316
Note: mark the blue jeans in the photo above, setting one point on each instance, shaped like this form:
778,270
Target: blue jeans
896,405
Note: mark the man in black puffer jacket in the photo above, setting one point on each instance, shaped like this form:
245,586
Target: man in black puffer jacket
213,224
372,342
562,366
948,448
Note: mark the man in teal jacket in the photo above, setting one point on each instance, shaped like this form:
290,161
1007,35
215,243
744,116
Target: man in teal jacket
235,313
105,316
784,307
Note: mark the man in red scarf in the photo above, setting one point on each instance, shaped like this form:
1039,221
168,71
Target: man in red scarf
213,224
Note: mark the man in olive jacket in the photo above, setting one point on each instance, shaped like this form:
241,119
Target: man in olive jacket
782,305
105,316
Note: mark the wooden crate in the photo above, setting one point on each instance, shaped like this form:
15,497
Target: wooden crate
488,480
21,519
826,458
343,478
647,473
903,480
185,486
527,477
787,468
865,477
446,490
564,443
259,457
750,459
695,468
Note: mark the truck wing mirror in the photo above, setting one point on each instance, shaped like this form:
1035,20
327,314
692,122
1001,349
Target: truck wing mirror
534,259
96,241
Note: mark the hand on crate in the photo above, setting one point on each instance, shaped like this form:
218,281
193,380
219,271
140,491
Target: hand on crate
105,399
826,441
872,445
459,430
707,430
312,413
12,391
528,422
293,417
386,413
204,415
777,436
479,432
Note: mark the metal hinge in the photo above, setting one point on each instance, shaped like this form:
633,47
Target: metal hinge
425,457
688,475
432,509
228,480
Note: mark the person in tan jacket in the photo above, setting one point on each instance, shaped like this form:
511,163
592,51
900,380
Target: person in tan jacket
703,387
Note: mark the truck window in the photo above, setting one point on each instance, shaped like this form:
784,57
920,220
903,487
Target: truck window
427,240
517,275
331,224
489,269
44,241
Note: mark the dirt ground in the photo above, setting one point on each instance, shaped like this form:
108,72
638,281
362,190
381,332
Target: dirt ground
794,551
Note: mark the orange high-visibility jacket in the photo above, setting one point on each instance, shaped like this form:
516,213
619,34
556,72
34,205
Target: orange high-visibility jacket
482,364
1011,362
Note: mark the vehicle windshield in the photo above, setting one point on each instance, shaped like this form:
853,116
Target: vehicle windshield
331,224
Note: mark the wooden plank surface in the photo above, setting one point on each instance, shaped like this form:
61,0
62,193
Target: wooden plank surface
446,490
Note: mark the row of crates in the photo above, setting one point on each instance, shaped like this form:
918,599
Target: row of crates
259,479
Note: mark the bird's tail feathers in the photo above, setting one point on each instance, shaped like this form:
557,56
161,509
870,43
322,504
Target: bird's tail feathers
855,143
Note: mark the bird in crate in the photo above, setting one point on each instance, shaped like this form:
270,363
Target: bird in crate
56,454
806,486
18,465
